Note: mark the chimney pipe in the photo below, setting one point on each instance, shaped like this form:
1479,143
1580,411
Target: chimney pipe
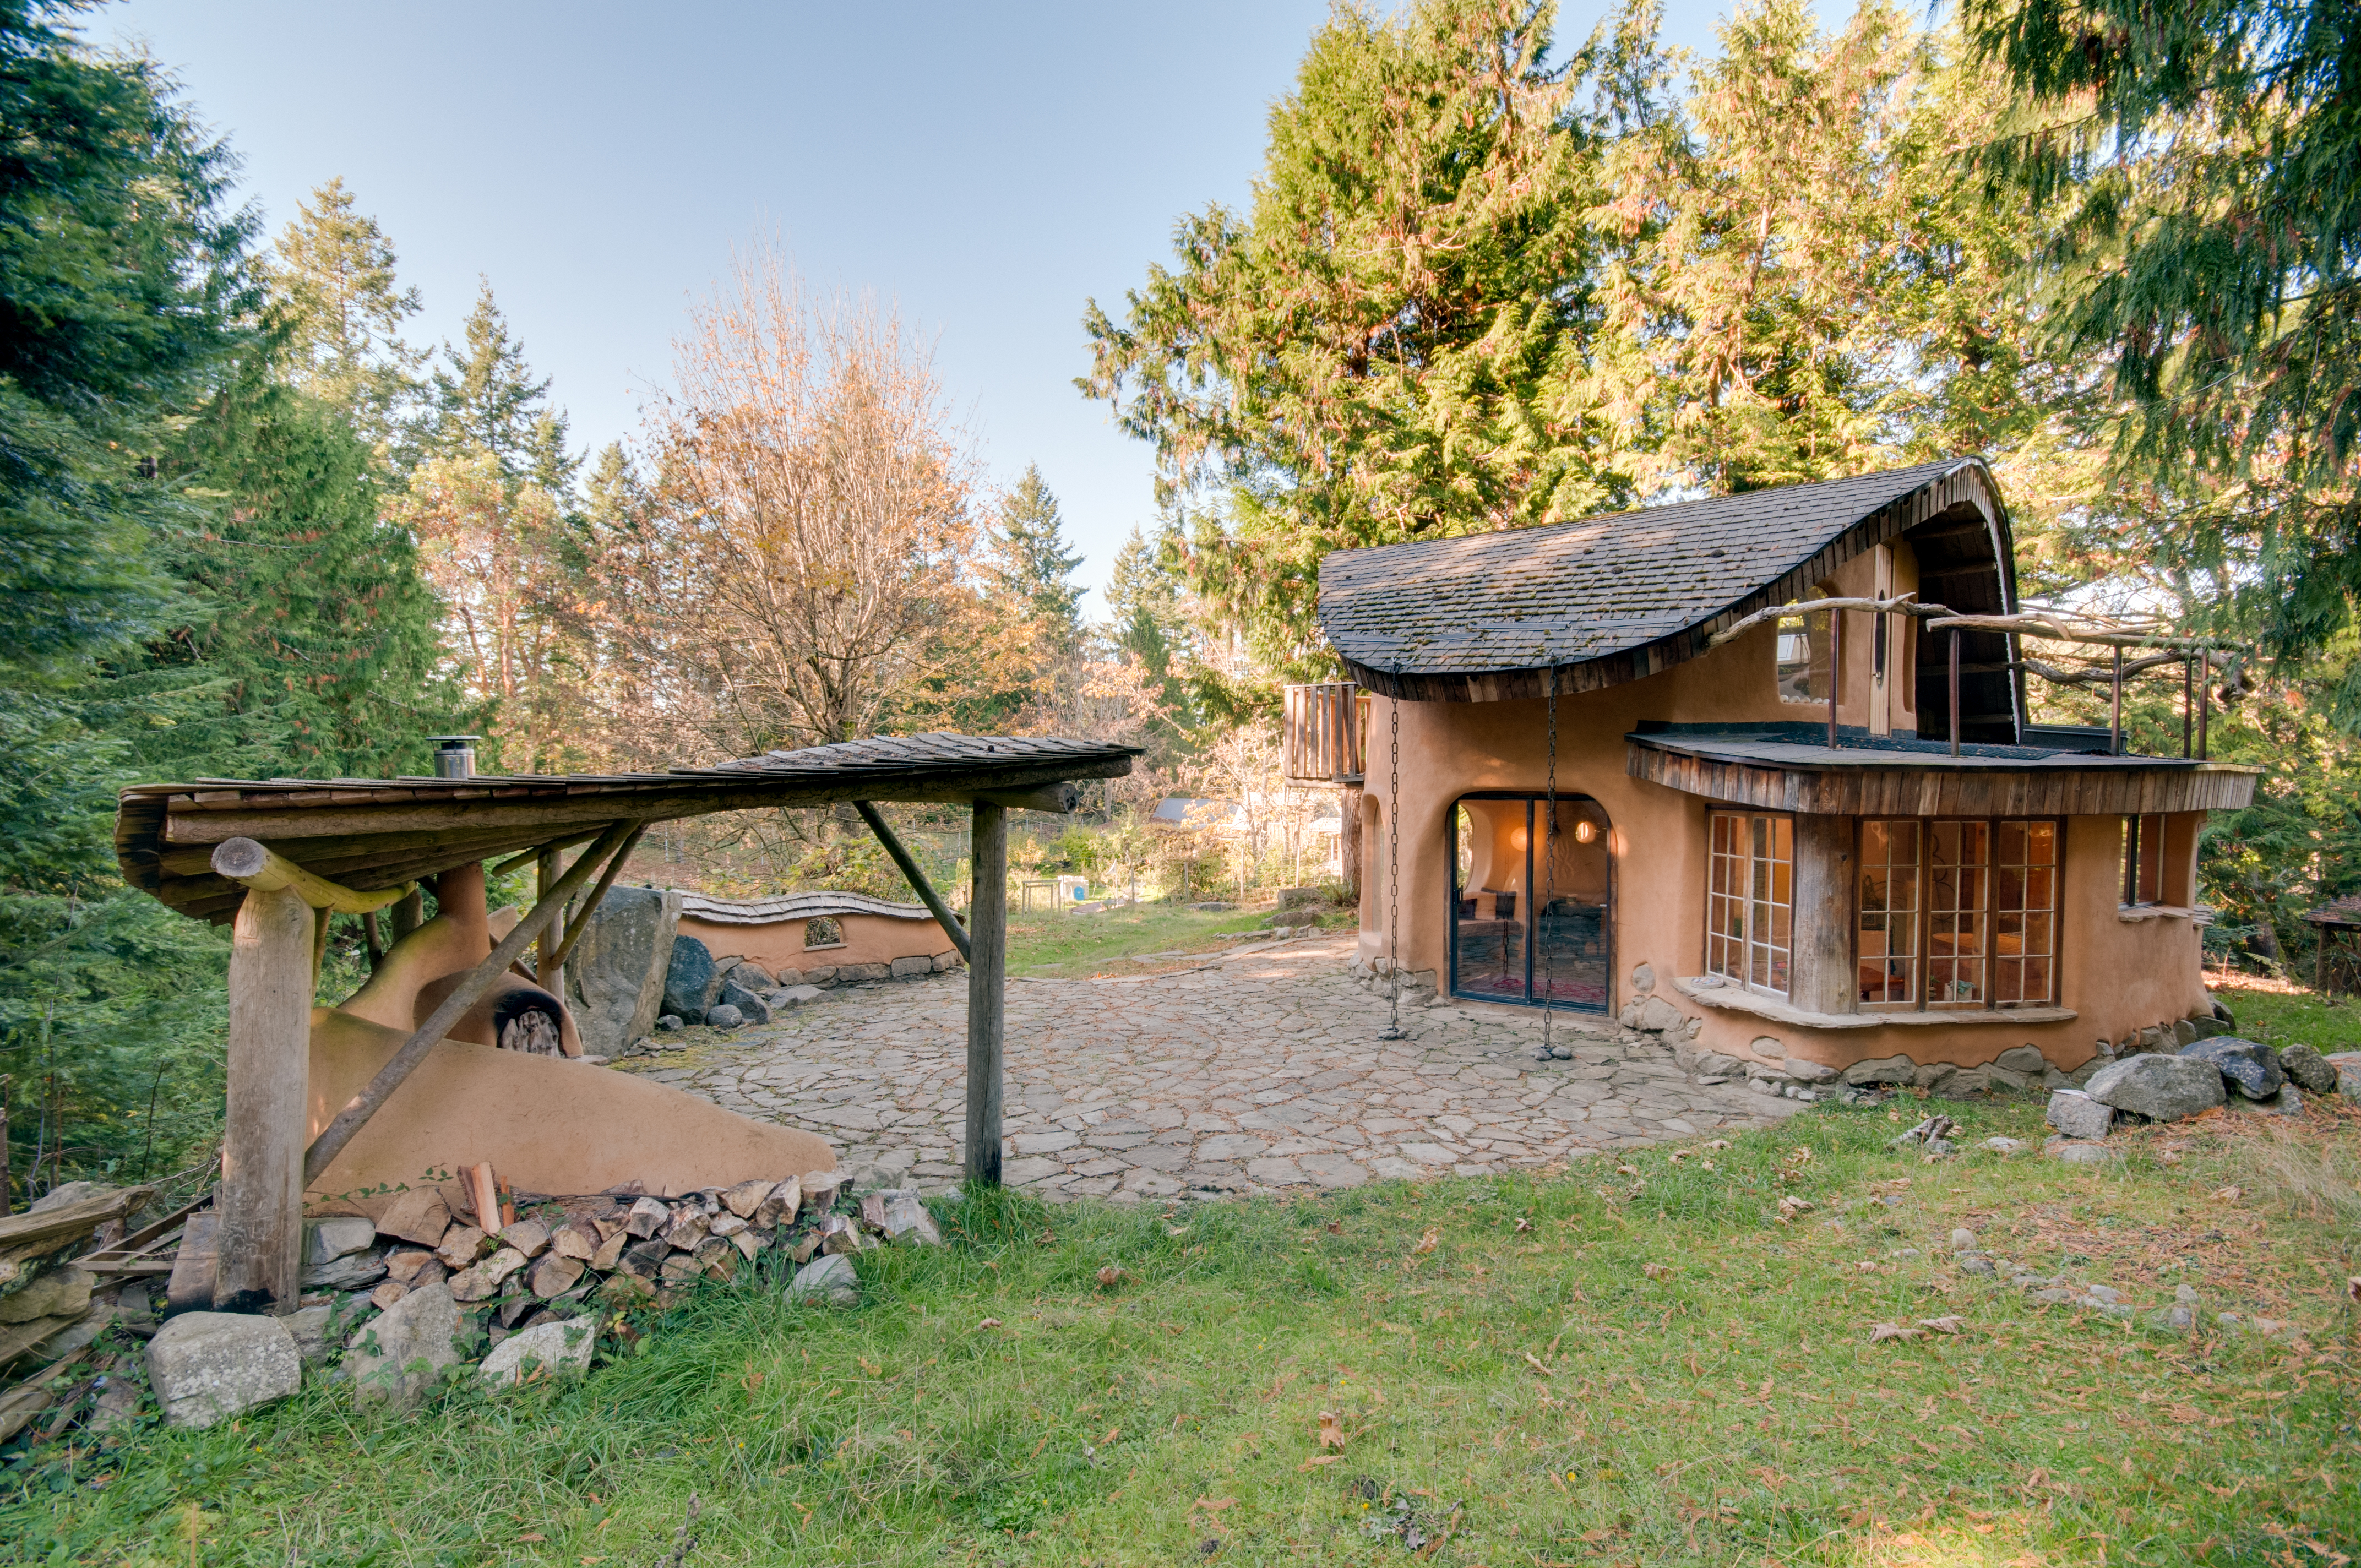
455,756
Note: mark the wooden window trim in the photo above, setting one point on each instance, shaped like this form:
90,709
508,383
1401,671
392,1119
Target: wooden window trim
1991,915
1747,941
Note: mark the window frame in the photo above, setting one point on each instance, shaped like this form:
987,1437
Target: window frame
1748,938
1988,920
2141,860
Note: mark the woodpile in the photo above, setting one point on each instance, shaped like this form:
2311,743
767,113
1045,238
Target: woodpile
513,1260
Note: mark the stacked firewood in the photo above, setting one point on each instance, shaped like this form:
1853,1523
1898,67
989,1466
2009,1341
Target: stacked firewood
525,1258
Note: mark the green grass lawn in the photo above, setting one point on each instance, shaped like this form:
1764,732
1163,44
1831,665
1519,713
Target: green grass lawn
1623,1363
1079,946
2295,1016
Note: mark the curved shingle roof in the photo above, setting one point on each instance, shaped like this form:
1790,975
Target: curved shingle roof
1613,598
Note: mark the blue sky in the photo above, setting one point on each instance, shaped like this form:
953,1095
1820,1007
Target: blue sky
986,168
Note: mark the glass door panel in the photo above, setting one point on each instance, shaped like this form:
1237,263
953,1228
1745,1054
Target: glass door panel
1570,930
1490,861
1523,928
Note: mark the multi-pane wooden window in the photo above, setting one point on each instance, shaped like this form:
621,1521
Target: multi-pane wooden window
1958,913
1749,899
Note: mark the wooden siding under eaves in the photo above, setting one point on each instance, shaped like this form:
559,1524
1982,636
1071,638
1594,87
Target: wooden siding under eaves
1890,784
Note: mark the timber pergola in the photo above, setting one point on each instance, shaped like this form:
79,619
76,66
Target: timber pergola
276,858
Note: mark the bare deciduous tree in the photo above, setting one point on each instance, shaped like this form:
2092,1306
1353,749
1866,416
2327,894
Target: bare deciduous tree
817,498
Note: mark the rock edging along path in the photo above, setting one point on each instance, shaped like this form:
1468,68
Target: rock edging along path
1259,1070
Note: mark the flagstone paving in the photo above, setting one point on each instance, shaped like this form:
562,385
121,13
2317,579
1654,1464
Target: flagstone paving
1258,1070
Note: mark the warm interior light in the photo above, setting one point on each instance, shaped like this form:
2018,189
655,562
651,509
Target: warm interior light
1584,832
1517,839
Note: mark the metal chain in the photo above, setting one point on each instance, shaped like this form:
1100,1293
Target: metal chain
1393,1029
1549,879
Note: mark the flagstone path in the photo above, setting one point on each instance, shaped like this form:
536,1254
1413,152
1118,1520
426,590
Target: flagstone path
1261,1069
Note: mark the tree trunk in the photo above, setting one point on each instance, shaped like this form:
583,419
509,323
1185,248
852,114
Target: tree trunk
1348,848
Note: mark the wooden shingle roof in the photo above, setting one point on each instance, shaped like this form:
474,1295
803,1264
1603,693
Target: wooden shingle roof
370,834
1621,596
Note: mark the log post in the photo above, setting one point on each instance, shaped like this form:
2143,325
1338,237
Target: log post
269,1069
549,960
1348,838
987,966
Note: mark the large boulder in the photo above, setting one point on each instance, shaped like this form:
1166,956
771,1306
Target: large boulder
551,1349
339,1236
752,1006
2348,1072
2162,1088
2247,1066
616,976
830,1281
2077,1115
400,1353
208,1366
2308,1070
692,981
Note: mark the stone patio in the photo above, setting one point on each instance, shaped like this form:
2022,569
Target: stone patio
1253,1072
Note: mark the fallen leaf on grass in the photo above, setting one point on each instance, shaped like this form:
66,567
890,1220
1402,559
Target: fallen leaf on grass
2352,1288
1109,1276
1426,1243
1892,1331
1335,1227
989,1323
1654,1270
1316,1462
1717,1143
2227,1194
1214,1505
535,1535
1332,1429
1948,1323
1523,1225
1626,1170
1792,1205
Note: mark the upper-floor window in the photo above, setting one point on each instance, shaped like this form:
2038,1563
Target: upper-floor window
2143,867
1803,656
1958,913
1749,899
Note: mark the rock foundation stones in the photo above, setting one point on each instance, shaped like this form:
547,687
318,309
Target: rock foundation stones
208,1366
2162,1088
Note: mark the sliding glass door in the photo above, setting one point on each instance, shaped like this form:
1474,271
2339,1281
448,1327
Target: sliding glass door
1531,915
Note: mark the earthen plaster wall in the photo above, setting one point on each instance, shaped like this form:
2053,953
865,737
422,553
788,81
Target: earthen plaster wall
2117,975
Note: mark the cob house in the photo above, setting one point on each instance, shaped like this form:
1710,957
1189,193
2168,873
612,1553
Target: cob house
1755,774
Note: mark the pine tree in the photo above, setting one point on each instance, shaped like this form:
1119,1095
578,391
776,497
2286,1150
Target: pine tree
1033,570
2200,164
314,648
1392,345
332,280
487,400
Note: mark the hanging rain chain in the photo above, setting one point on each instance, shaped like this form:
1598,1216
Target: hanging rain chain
1393,1029
1549,882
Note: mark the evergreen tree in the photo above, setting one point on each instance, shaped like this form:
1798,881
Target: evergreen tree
314,648
1393,344
2201,165
1032,569
487,400
334,283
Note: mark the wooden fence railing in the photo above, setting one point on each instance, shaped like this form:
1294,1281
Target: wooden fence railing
1322,734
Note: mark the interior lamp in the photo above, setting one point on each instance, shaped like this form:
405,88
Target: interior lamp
1517,839
1584,831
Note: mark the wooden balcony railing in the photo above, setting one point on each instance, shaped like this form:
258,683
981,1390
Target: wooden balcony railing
1323,736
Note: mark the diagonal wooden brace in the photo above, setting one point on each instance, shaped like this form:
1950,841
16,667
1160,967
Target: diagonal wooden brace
415,1049
917,879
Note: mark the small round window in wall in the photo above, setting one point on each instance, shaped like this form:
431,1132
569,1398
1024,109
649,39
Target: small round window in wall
822,931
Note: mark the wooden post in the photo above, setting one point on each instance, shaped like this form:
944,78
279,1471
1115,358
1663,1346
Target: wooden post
2204,697
1348,835
1955,692
269,1069
1836,672
549,967
987,972
2116,713
409,915
2188,707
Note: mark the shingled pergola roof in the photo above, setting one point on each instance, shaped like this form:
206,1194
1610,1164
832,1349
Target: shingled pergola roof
369,834
1621,596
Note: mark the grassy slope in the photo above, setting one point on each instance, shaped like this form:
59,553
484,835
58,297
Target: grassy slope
1525,1384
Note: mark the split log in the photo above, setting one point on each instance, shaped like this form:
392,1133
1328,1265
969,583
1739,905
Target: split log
484,1193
